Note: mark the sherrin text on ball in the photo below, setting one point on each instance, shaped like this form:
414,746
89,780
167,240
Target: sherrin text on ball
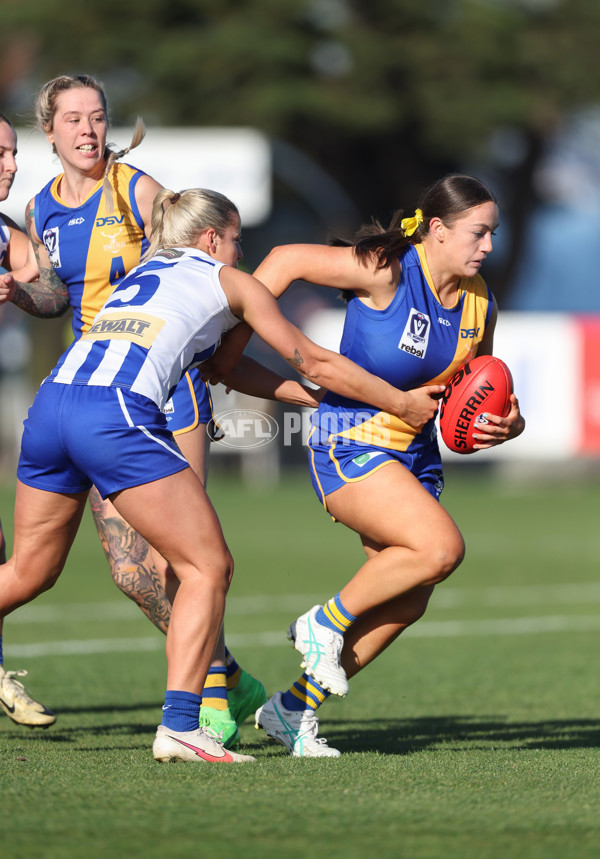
482,385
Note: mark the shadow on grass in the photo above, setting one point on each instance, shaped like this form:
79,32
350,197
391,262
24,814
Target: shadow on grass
384,736
398,737
110,708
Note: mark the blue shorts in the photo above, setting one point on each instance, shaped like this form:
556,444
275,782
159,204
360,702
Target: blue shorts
332,464
190,405
76,436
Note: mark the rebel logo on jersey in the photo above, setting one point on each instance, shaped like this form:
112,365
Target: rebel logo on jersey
415,336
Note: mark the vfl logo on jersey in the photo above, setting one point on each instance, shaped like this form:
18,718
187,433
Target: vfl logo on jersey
415,338
50,239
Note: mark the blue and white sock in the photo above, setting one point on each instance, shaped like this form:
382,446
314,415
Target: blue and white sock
181,710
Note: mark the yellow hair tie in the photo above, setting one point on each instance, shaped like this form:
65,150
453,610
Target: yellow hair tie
411,225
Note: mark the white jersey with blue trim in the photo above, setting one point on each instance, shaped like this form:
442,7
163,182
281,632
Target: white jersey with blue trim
165,316
4,240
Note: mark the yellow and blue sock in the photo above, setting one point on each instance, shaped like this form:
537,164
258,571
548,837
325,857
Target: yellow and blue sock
181,710
214,694
335,616
305,694
232,669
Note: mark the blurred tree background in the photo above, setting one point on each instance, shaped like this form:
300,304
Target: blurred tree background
377,98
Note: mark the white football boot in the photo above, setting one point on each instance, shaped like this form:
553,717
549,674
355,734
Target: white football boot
321,648
19,705
295,729
199,745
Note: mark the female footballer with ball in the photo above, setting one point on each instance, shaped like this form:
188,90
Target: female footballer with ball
98,419
417,310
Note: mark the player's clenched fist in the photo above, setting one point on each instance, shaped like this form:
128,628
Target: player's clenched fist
7,287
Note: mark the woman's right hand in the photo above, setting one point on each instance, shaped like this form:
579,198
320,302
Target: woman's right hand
421,404
7,287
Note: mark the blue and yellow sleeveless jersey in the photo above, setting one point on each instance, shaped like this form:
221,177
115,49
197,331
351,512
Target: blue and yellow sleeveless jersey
90,248
415,341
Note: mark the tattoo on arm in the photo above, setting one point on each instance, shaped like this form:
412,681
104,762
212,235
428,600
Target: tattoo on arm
297,360
131,564
47,297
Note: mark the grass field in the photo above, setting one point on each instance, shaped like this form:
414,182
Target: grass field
477,734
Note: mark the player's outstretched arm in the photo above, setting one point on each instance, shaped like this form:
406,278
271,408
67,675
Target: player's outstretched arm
326,265
251,301
250,377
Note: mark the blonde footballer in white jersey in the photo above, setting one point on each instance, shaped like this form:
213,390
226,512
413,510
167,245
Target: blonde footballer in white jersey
90,225
101,424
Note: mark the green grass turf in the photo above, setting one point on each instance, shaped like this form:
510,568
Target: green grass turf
476,734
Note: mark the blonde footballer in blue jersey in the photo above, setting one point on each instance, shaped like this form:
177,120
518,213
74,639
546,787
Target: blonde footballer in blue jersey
91,246
89,227
98,419
417,309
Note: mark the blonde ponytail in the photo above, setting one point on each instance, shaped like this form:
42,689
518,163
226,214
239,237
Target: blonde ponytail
139,133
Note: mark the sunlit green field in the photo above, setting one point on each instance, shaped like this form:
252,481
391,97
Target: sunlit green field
476,734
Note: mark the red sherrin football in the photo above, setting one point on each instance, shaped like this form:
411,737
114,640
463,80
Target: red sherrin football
481,385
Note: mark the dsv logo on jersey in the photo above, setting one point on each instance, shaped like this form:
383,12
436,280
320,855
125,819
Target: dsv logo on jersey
244,429
111,221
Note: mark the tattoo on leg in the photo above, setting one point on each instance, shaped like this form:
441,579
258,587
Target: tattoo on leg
130,561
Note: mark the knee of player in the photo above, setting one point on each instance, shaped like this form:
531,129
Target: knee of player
37,583
221,571
443,557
